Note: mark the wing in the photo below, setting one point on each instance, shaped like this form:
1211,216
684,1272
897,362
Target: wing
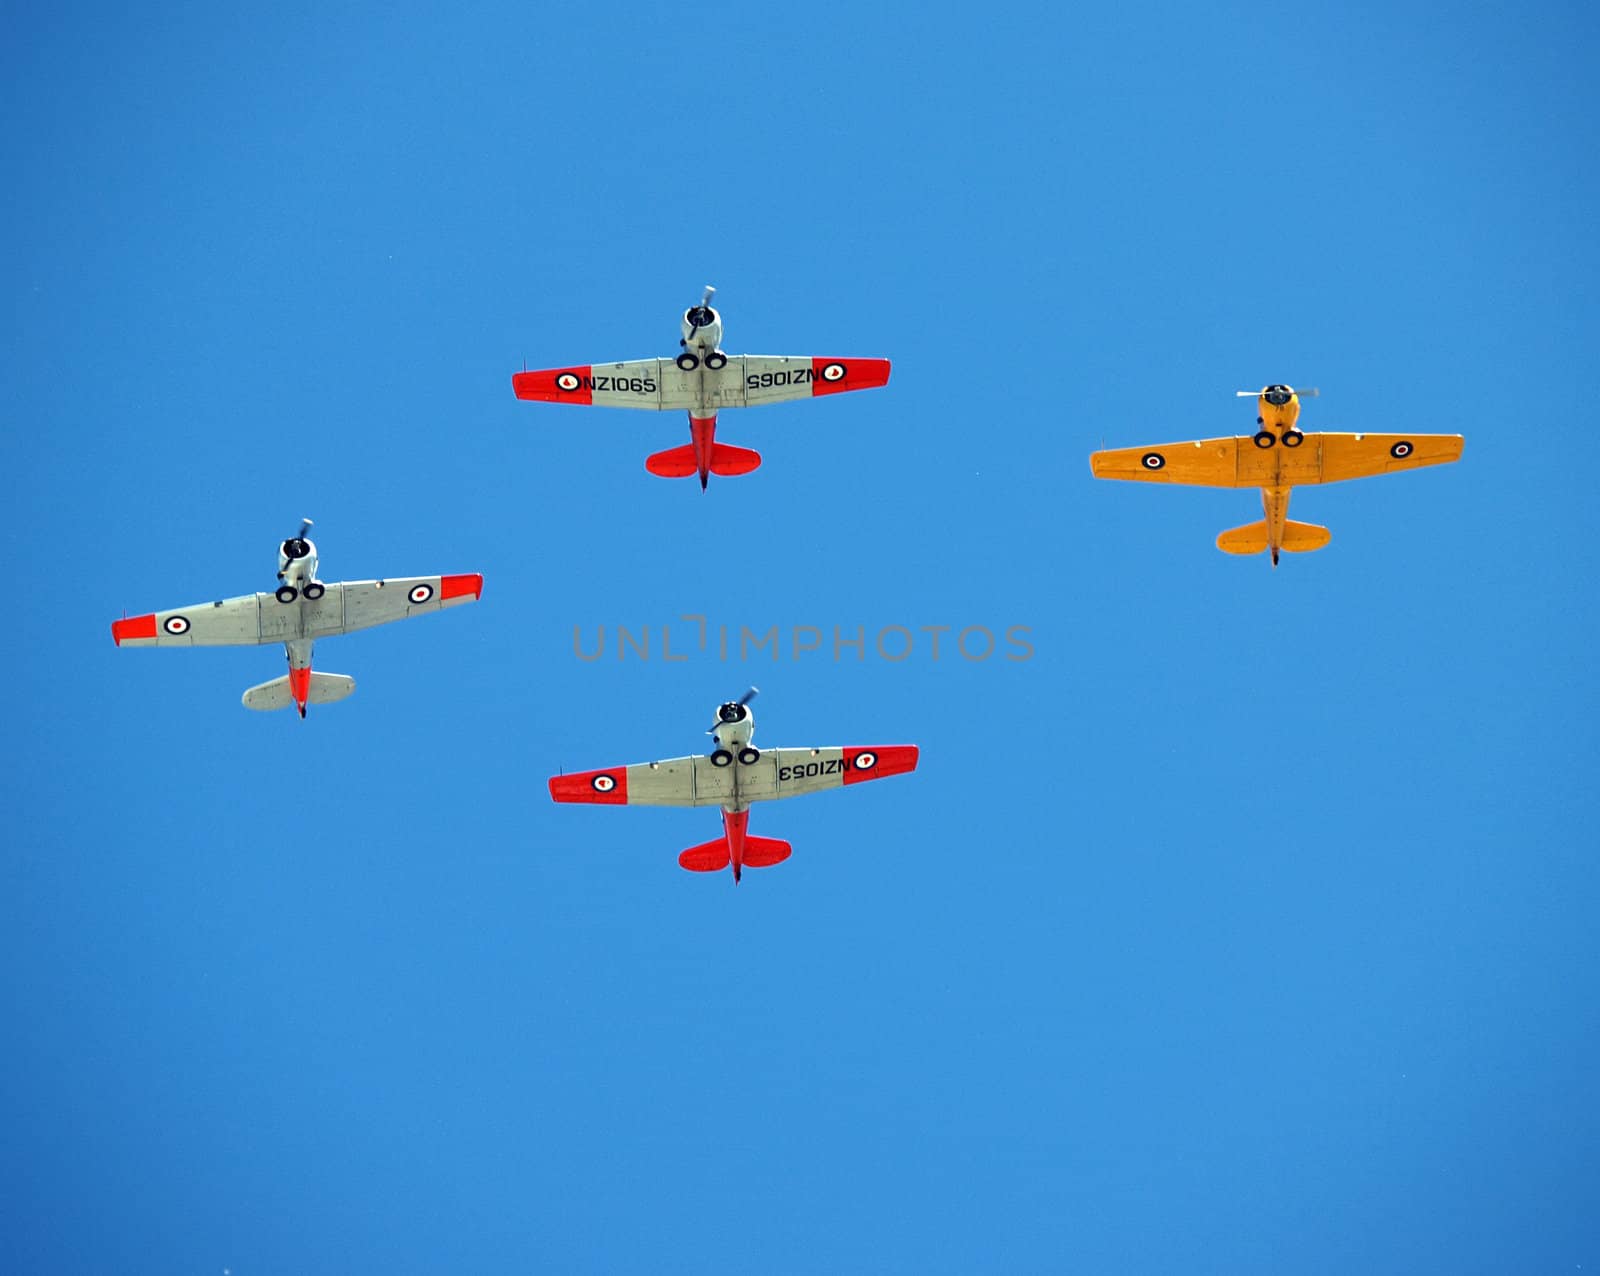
232,622
696,781
675,782
747,380
259,618
753,379
1238,462
1348,456
642,383
799,771
1199,463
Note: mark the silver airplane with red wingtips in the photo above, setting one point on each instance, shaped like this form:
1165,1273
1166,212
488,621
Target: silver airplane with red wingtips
702,380
301,610
733,776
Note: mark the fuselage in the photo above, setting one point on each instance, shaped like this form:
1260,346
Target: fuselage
1277,418
297,568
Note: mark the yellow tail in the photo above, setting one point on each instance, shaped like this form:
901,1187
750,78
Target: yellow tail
1298,538
1249,539
1302,538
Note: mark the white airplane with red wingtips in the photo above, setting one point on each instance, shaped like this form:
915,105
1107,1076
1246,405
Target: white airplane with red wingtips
702,380
733,776
302,610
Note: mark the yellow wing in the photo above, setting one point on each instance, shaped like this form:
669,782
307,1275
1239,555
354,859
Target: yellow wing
1348,456
1238,462
1202,463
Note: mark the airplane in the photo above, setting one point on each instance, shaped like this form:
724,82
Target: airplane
301,610
1276,458
734,775
702,380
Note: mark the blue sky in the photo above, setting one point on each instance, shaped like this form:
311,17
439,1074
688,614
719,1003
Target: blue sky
1246,927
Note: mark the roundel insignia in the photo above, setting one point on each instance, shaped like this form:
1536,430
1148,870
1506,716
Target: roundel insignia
1400,450
833,372
603,783
420,593
1152,460
865,761
176,625
567,381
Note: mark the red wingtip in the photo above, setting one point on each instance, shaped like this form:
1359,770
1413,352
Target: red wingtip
833,376
133,627
875,763
607,788
459,586
555,385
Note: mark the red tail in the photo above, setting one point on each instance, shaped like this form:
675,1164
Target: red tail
675,462
300,688
736,848
704,456
728,460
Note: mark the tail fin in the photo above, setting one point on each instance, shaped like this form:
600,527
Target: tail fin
1249,539
675,462
728,460
1302,538
680,462
708,857
713,857
325,689
764,852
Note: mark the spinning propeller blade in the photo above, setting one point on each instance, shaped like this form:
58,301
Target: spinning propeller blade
699,316
733,710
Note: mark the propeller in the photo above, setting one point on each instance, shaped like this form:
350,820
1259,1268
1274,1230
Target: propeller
1256,394
298,540
699,316
734,710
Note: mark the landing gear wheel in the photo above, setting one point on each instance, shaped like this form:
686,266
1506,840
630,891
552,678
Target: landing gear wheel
1293,438
721,758
1264,439
749,757
314,591
687,361
716,360
286,593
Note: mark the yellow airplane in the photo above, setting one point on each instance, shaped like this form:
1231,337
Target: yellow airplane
1276,458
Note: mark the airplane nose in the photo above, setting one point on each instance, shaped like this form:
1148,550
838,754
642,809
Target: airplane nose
1278,395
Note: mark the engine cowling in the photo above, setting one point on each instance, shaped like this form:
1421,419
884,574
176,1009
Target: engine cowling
299,555
702,329
735,725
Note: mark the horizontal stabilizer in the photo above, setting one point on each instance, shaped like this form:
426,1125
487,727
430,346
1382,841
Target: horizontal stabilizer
681,462
325,689
675,462
764,852
1249,539
728,460
708,857
1302,538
